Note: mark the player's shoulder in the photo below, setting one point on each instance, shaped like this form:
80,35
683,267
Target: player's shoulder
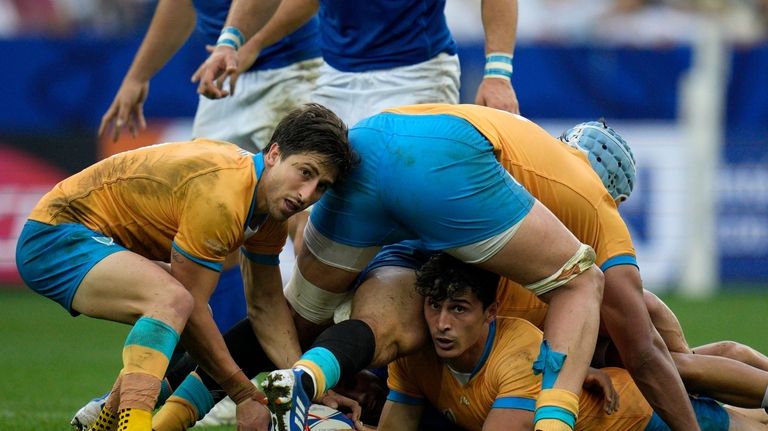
513,331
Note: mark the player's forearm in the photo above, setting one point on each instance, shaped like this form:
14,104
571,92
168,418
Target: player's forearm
273,325
205,343
500,25
655,374
269,314
249,16
290,15
173,22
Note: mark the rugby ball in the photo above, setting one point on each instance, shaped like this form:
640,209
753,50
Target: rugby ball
324,418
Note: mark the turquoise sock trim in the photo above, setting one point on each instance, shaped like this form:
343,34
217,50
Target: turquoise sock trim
554,412
165,392
549,364
193,390
154,334
328,364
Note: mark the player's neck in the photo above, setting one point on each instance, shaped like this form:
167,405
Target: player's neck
468,360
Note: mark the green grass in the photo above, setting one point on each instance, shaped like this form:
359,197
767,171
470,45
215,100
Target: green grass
52,363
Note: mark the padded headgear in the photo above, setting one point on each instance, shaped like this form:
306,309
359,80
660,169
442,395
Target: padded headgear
608,153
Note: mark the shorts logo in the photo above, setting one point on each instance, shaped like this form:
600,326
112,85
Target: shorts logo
104,240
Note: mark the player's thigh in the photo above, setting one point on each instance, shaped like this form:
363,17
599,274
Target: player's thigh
125,286
387,300
442,182
539,248
352,213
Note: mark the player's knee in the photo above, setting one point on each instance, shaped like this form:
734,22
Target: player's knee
596,281
310,302
578,273
732,349
179,301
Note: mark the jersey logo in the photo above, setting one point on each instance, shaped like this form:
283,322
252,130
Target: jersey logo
104,240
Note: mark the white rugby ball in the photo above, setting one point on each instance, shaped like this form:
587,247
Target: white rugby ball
324,418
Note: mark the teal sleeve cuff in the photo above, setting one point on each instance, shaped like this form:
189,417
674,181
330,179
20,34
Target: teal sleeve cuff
262,259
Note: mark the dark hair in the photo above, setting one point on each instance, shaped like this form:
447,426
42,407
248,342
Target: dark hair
444,276
313,128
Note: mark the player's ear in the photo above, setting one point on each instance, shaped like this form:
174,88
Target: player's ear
273,154
492,311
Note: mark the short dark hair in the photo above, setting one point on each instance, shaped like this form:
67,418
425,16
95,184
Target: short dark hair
444,276
313,128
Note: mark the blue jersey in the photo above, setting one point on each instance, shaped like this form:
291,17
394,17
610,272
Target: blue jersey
359,36
297,46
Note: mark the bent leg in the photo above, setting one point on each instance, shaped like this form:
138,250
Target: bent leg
746,420
723,370
388,302
573,317
125,287
736,351
722,378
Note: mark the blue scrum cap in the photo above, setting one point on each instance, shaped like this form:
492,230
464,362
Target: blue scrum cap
608,153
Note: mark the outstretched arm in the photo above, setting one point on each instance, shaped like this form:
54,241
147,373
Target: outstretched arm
171,26
642,349
500,25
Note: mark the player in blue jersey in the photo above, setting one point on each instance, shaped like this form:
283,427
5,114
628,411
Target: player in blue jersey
378,54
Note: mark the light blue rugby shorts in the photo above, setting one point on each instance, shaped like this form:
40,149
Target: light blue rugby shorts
54,259
431,177
710,415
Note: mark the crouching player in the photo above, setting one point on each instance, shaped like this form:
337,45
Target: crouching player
92,245
481,371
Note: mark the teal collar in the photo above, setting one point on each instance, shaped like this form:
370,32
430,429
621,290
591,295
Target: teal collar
258,165
486,349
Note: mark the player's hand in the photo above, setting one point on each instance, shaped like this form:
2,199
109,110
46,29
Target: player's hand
598,381
342,403
220,65
497,93
252,415
127,109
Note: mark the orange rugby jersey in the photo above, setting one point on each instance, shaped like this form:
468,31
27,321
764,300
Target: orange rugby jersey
197,195
505,379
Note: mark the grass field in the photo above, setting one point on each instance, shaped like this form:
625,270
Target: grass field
53,363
